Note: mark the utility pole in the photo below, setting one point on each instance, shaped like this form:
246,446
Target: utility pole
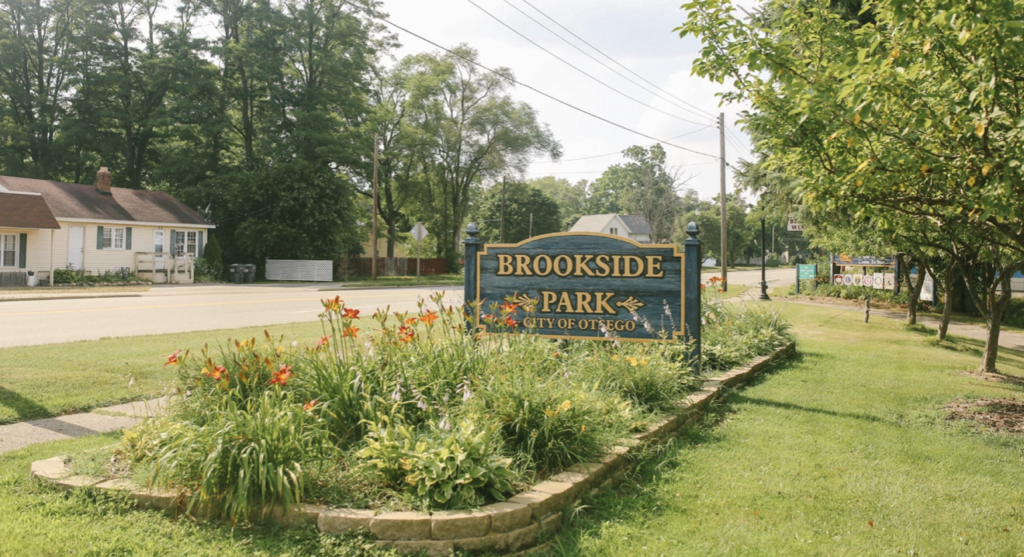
501,233
531,225
721,160
373,273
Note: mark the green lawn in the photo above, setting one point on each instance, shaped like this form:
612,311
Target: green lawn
56,379
845,451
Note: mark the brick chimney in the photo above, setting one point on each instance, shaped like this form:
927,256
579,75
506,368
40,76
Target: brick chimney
103,180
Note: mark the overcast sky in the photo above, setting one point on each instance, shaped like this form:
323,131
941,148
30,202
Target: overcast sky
636,33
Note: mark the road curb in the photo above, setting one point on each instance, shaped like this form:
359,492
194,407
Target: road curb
86,297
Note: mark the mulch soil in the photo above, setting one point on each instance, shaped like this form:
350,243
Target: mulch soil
1002,415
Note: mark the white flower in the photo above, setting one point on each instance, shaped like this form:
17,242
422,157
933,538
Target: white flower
444,423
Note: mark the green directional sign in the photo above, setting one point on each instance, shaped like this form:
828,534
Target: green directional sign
806,272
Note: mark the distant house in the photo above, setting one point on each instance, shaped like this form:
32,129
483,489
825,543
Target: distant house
46,225
634,227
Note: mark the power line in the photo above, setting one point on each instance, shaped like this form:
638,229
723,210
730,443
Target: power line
606,66
614,60
571,65
619,152
534,89
739,142
552,173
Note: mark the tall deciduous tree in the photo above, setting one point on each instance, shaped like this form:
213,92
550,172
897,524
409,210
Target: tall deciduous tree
642,186
525,206
473,131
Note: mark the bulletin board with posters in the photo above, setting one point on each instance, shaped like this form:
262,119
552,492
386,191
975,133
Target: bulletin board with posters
868,271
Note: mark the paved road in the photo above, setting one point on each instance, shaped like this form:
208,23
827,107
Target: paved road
170,309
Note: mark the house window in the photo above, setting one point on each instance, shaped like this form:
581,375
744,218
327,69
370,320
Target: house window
113,238
179,243
613,231
192,244
186,242
158,240
9,255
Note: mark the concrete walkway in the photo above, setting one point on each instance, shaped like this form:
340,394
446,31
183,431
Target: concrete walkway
101,420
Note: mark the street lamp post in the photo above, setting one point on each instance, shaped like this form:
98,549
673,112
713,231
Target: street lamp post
764,283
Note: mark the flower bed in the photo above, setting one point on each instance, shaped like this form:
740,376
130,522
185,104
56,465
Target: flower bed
416,425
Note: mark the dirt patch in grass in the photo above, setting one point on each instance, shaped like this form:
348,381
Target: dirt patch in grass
1004,415
997,377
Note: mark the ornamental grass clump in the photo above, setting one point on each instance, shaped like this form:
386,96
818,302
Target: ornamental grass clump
734,334
410,413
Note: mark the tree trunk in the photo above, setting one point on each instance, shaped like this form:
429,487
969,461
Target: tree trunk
947,302
392,229
915,292
988,358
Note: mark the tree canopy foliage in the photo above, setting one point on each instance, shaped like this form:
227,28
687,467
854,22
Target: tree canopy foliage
902,118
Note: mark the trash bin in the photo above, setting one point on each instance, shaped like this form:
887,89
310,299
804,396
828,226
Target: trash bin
250,273
235,273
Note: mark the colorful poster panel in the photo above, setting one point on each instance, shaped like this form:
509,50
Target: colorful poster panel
847,280
878,281
890,281
837,280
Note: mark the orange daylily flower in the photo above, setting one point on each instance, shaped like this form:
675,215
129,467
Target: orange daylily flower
332,305
282,375
511,323
350,332
350,313
218,373
405,334
429,317
411,321
309,405
508,308
324,341
173,359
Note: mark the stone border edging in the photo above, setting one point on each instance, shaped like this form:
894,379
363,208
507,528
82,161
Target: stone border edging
510,526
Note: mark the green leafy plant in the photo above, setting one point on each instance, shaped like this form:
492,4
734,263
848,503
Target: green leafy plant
440,466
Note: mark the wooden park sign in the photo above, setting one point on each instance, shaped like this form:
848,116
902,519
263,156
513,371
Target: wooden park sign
586,286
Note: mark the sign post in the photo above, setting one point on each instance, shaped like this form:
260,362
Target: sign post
586,286
419,232
806,272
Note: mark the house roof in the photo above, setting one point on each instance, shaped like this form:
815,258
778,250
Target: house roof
19,210
635,224
591,223
81,201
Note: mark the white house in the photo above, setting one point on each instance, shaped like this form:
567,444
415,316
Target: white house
634,227
46,225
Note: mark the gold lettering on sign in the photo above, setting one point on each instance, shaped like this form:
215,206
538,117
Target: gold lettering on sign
583,302
601,303
581,266
654,267
559,270
547,265
628,270
505,265
603,269
523,265
564,302
547,298
616,265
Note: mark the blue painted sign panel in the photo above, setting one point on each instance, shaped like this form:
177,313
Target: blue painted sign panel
581,286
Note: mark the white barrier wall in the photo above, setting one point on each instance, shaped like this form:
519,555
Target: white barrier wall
300,270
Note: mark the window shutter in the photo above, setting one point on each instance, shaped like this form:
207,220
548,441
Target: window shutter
199,244
22,248
99,237
171,244
128,238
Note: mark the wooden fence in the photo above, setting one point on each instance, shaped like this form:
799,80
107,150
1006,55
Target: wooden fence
390,266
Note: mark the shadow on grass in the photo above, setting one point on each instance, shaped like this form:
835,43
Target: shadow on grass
25,408
970,346
636,498
742,399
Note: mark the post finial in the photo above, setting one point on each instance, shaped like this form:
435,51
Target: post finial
692,231
472,229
